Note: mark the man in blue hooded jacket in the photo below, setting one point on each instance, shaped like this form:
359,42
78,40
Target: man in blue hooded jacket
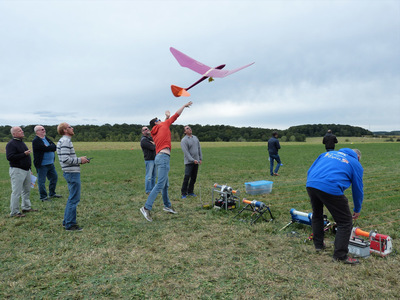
327,179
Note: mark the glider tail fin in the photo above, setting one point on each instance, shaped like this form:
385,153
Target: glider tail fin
178,91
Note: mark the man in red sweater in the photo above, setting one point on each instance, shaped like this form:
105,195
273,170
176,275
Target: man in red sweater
161,134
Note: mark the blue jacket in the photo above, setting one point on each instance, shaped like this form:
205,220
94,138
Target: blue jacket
333,172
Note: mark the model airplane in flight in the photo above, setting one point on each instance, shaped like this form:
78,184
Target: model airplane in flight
205,71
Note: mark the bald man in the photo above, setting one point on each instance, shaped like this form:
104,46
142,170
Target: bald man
19,157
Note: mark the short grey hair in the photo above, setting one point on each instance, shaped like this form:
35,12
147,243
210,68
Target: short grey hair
37,128
358,153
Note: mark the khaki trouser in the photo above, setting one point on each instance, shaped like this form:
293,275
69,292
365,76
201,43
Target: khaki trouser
21,187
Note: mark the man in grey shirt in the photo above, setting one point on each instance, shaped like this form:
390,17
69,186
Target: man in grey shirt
192,158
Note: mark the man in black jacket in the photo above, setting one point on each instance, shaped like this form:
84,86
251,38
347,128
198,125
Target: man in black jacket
149,152
18,155
329,140
273,148
43,159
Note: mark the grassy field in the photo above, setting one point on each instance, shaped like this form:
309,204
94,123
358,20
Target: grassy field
198,253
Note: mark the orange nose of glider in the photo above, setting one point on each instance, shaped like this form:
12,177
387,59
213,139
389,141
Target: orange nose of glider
178,91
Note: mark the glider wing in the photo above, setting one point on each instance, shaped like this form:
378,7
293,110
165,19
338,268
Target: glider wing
188,62
223,73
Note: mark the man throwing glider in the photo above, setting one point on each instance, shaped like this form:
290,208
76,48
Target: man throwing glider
161,134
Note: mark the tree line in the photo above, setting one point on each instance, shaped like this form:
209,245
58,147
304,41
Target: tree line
206,133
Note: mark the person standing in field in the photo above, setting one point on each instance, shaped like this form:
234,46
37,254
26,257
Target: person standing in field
192,159
327,179
149,152
161,134
329,141
273,148
43,159
19,157
72,173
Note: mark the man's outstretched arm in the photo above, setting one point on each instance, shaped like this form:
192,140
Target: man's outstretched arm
179,111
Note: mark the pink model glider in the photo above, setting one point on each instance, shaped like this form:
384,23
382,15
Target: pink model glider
205,71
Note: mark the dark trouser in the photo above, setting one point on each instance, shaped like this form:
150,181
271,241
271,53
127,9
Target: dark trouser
190,174
338,206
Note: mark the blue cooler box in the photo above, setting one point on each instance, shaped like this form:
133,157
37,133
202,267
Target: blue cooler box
258,187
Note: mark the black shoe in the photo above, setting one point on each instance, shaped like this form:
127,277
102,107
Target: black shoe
74,228
348,260
55,196
18,215
45,199
28,210
319,250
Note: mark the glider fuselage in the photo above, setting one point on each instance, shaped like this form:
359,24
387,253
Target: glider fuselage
205,77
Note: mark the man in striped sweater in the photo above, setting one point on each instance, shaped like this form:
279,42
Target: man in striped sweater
71,171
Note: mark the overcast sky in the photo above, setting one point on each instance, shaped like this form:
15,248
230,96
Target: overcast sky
98,62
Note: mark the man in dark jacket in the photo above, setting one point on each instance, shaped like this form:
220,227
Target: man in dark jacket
18,155
273,148
43,159
329,141
149,152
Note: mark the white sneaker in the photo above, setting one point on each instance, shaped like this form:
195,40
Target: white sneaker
146,214
169,209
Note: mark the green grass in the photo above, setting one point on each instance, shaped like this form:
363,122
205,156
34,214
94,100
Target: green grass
198,253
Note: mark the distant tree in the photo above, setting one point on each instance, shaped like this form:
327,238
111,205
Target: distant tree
132,132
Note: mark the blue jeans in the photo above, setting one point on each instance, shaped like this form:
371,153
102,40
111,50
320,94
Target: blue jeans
273,157
162,165
48,171
151,174
74,188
